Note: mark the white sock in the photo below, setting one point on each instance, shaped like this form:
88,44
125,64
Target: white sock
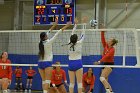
45,91
5,91
107,90
30,85
26,85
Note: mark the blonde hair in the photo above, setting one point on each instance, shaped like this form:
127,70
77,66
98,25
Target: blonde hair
57,62
114,41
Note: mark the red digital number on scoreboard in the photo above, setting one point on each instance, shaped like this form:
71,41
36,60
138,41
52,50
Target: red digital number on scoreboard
54,2
40,11
67,10
38,19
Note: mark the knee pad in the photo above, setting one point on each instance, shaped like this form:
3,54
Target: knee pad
43,82
102,79
4,79
20,84
47,81
79,85
71,85
45,91
5,91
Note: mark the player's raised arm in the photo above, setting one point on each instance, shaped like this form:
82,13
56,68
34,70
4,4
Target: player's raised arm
103,36
84,20
75,26
52,27
66,26
62,29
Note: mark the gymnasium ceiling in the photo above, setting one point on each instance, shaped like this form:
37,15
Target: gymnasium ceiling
88,1
89,4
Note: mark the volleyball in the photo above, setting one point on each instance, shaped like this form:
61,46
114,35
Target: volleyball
93,23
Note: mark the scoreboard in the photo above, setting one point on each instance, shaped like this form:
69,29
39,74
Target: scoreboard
46,11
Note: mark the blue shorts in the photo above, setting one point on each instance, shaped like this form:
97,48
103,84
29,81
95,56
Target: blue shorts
43,65
74,65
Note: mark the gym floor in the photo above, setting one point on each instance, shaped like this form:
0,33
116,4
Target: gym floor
33,91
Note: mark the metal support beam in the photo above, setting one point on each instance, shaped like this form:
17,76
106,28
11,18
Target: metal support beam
97,11
105,13
16,15
115,17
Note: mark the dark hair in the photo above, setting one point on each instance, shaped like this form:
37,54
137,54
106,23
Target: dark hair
30,67
41,45
54,67
73,40
114,41
92,71
1,54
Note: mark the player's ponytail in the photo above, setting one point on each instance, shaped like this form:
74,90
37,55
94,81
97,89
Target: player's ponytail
41,45
73,41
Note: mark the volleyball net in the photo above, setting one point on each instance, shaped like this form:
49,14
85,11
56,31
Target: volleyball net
22,46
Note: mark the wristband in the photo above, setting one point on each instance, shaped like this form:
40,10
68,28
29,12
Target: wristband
99,62
53,85
65,81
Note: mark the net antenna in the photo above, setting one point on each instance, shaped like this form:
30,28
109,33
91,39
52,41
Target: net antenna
136,33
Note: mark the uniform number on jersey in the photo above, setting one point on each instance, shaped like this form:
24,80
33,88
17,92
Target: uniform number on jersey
3,67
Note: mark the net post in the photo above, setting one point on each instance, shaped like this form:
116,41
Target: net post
137,47
124,48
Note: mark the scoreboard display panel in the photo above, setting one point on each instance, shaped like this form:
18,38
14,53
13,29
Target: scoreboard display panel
46,11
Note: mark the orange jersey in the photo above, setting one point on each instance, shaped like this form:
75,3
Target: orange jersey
88,81
30,72
108,53
5,71
58,77
18,72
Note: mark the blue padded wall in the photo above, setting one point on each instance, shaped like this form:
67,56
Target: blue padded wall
123,80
